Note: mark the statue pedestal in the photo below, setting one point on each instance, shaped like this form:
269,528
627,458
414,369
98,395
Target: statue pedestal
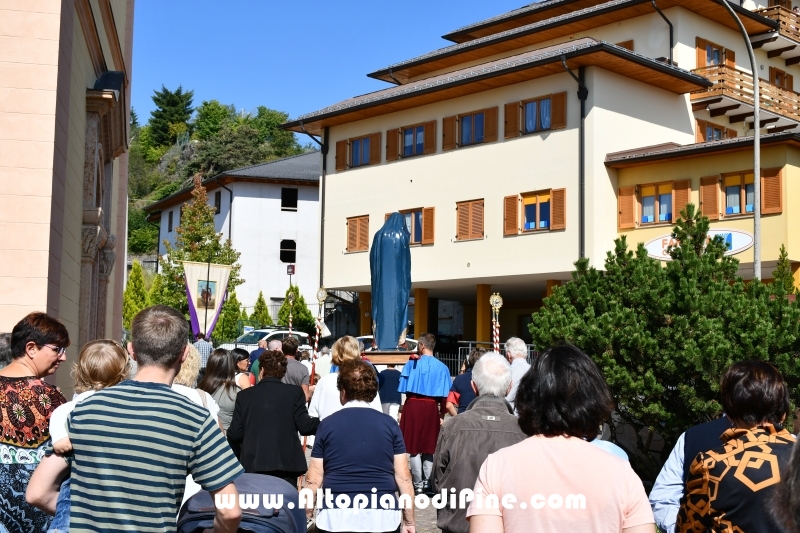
387,357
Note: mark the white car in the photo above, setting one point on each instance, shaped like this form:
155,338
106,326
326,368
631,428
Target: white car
249,341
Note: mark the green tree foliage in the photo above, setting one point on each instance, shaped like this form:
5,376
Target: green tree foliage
156,294
233,147
261,315
196,240
244,316
142,235
135,297
664,334
134,119
783,272
267,121
173,108
227,328
211,116
302,319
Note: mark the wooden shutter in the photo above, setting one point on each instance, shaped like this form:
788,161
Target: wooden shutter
709,197
558,116
511,215
352,234
789,82
700,45
363,233
771,191
429,146
341,155
558,209
392,145
680,197
730,58
730,134
511,120
627,207
375,148
771,75
628,45
476,220
448,133
428,217
490,125
462,224
700,131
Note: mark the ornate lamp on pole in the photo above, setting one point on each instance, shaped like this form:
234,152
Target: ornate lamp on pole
322,295
290,297
496,302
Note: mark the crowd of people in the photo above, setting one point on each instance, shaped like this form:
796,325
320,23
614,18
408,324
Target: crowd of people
157,421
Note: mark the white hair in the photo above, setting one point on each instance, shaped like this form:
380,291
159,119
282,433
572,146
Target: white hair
492,375
276,345
515,347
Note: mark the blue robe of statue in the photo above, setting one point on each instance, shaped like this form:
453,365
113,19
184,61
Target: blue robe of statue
390,267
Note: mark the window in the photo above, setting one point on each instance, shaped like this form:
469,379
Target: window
419,223
739,194
656,202
536,115
217,202
288,199
469,217
288,251
358,234
781,78
713,55
535,211
708,131
471,129
358,152
169,221
413,141
544,113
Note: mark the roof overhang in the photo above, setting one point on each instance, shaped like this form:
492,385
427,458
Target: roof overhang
508,71
559,27
185,194
671,152
544,10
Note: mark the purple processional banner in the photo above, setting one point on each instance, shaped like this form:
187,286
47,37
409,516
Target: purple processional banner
206,291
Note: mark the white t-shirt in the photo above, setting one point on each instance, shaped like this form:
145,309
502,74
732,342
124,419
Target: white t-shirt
58,420
325,400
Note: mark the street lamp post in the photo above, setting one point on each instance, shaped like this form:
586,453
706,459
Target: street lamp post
290,297
756,146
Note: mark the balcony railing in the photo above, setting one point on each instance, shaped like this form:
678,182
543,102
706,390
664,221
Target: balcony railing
789,20
738,85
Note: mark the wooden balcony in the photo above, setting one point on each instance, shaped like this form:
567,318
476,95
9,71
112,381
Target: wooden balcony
784,43
732,96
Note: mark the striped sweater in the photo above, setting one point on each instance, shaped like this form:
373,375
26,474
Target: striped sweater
134,444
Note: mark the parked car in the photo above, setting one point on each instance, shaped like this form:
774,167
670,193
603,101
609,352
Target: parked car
367,340
249,341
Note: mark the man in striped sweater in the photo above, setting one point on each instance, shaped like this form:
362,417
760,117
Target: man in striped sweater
135,442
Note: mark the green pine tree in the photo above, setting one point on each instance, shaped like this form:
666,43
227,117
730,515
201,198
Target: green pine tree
244,316
173,108
302,319
227,328
135,297
196,240
156,290
261,315
664,334
783,278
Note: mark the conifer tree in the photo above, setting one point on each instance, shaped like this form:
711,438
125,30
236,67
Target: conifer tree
227,327
244,317
196,240
173,109
135,297
156,291
261,315
302,319
664,334
783,279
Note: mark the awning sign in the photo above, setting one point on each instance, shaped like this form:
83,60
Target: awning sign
736,241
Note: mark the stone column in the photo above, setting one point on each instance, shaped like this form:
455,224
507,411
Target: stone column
107,258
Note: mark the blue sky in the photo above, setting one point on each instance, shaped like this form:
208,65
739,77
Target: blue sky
292,56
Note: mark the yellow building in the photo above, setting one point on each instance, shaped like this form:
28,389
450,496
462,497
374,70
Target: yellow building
500,148
65,70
